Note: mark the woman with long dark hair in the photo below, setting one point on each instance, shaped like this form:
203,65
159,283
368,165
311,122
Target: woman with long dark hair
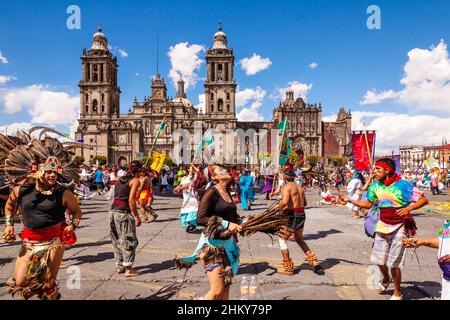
217,250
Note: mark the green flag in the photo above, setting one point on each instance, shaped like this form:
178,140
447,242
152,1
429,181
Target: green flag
66,135
283,124
207,140
162,126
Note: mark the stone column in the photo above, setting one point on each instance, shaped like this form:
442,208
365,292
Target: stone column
216,68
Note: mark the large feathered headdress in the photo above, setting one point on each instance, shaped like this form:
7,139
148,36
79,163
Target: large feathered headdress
26,157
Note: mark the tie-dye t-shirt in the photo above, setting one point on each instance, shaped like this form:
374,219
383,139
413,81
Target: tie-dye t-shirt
397,195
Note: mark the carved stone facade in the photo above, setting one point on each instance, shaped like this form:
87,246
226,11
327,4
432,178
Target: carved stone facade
133,134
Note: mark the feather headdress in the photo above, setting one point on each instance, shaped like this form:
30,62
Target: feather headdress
27,157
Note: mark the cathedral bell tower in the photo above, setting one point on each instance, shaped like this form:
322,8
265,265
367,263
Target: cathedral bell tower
220,87
99,93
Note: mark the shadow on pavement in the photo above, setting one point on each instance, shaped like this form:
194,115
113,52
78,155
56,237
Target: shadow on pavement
4,261
164,293
92,258
254,268
156,267
320,234
90,244
413,290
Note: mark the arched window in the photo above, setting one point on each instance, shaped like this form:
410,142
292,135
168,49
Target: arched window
95,73
86,98
228,96
95,106
103,109
87,109
228,108
212,96
220,105
103,97
212,107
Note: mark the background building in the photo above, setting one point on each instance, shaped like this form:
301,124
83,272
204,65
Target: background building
127,137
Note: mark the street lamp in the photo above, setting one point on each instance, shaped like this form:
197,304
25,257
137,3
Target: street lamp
444,142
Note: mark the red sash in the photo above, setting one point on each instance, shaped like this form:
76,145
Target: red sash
389,216
49,234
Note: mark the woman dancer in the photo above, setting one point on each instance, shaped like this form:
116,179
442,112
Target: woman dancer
217,250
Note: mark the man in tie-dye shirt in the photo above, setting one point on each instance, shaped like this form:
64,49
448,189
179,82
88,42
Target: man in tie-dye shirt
396,198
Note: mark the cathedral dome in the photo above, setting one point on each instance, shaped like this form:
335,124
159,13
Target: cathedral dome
185,101
99,40
220,39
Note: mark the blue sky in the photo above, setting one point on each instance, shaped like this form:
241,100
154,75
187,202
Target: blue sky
350,58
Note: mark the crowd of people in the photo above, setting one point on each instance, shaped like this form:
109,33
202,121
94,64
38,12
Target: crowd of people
45,189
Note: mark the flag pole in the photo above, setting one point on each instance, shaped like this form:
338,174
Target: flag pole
367,146
279,153
154,141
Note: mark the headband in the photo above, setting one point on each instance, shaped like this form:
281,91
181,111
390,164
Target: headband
384,166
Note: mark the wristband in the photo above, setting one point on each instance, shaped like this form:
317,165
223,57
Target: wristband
349,201
9,220
225,224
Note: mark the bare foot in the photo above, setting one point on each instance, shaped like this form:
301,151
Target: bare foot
64,266
120,270
131,273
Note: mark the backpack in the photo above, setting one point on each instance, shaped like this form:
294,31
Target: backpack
371,221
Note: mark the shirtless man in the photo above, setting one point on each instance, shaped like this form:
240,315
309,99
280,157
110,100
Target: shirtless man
293,201
145,192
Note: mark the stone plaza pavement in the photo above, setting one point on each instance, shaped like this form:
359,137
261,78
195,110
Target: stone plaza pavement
337,238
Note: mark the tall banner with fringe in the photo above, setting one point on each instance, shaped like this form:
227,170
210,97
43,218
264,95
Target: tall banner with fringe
363,146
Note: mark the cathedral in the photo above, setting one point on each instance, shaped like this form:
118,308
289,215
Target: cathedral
124,137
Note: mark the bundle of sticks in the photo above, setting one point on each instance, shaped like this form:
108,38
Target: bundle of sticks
269,222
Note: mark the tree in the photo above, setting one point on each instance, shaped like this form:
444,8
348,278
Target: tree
146,160
293,158
79,159
339,161
313,159
168,161
101,160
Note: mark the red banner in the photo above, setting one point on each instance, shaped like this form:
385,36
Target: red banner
359,145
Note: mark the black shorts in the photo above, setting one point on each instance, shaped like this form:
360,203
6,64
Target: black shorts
296,221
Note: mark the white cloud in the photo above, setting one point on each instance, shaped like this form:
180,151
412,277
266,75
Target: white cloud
185,60
201,103
43,104
5,79
426,81
313,65
394,130
255,98
300,90
373,97
136,74
123,53
255,64
12,128
3,58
